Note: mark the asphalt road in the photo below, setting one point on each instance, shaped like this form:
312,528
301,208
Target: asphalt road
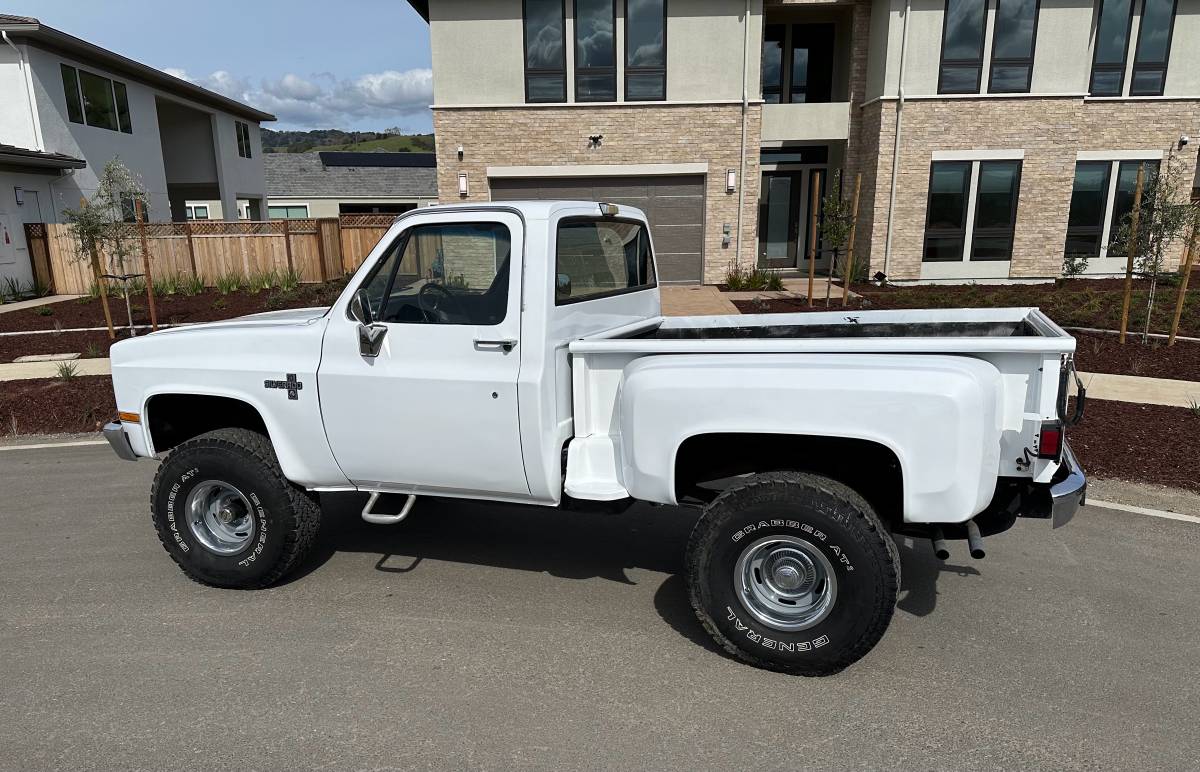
502,637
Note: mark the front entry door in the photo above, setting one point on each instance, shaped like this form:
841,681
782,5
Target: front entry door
785,209
436,410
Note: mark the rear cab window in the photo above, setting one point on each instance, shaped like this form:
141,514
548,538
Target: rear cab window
601,257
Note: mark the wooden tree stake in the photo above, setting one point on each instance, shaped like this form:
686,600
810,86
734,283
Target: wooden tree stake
141,226
850,243
1133,228
1187,274
812,233
187,230
99,279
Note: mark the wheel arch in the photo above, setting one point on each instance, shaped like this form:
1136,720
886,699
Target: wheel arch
173,417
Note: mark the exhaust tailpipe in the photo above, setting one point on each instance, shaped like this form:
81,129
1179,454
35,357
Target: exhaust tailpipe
940,549
974,540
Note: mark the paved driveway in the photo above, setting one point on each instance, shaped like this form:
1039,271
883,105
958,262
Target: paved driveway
505,637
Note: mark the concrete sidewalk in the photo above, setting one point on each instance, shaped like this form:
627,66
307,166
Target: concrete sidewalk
21,305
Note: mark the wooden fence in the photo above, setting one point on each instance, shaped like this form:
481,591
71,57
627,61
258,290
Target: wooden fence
317,249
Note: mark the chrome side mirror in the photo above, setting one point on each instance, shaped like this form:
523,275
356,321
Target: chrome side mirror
370,333
562,286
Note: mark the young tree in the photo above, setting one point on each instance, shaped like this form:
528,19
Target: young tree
101,224
1163,217
837,225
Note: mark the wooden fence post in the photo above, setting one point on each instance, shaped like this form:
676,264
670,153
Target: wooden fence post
146,275
187,230
1133,228
287,244
337,239
320,223
1187,274
812,234
850,243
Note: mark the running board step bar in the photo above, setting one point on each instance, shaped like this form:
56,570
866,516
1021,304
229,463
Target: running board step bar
379,518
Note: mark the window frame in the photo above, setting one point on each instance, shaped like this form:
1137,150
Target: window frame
943,62
538,70
1154,66
120,99
1124,58
1108,221
306,216
615,292
1012,61
1011,232
242,130
966,210
594,71
643,70
1104,210
401,243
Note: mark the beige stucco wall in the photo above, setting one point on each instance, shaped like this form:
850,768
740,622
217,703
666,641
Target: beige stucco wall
478,50
633,134
1183,72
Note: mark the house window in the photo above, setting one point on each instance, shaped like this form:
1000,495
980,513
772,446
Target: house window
197,212
962,47
129,208
288,212
243,138
595,51
645,50
1112,41
1012,47
545,52
1101,199
1153,48
972,211
798,63
95,100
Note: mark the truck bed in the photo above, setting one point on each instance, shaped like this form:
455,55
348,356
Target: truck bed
966,331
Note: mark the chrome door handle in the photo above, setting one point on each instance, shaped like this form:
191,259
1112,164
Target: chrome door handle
508,344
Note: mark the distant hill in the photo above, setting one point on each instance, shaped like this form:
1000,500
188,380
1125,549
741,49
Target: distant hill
336,139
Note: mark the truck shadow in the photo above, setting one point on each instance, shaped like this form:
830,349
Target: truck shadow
569,545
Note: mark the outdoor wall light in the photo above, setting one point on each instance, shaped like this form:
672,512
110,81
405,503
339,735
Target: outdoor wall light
462,184
19,195
730,180
460,152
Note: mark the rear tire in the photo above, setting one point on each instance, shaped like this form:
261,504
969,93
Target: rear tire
793,572
225,513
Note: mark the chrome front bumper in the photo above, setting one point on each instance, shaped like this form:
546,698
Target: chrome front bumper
114,432
1068,491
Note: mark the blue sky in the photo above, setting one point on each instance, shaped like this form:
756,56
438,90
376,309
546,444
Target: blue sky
348,64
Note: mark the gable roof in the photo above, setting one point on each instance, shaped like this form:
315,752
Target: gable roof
31,29
334,174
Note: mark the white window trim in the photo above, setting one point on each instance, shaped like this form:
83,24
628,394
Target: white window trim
1119,155
1114,157
947,269
271,206
978,155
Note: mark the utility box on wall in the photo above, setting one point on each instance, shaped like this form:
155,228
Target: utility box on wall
8,240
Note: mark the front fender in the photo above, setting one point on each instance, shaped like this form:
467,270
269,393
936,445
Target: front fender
939,415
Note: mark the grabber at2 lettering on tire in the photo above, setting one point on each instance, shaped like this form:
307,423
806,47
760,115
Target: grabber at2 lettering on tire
793,572
226,514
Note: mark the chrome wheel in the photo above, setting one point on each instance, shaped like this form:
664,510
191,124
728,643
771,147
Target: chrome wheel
785,582
220,517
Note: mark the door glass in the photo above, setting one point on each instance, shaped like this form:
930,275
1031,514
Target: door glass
777,221
443,274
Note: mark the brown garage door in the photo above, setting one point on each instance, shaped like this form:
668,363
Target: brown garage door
674,206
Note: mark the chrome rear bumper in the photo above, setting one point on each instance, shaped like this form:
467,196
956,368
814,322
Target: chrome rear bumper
114,432
1068,491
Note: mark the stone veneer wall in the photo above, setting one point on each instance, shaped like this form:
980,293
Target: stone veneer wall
1051,131
633,134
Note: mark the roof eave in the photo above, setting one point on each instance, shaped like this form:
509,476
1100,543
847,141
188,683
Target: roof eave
421,7
40,161
73,45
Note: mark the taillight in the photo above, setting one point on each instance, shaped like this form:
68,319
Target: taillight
1050,441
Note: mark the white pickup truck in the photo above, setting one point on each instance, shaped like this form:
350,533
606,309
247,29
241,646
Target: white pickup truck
517,352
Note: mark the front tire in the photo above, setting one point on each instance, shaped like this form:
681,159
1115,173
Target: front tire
225,513
793,572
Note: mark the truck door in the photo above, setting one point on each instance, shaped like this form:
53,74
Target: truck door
436,410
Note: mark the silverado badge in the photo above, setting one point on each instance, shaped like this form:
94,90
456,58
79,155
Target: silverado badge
292,385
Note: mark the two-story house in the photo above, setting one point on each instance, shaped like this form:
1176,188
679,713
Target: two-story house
992,136
68,107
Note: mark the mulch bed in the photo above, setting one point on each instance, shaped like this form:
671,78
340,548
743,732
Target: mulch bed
52,406
1092,303
1146,443
207,306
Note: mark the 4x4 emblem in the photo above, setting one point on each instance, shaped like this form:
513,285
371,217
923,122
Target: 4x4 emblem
292,385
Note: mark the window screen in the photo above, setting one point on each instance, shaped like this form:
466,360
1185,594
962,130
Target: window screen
595,258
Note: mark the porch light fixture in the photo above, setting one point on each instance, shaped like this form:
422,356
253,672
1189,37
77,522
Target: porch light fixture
730,180
462,184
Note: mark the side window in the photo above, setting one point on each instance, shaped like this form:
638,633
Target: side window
595,258
454,273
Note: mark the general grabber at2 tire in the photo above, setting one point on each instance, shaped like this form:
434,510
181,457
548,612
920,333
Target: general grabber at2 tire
226,514
793,572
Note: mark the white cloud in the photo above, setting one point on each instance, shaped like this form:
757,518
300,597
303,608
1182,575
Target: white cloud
323,101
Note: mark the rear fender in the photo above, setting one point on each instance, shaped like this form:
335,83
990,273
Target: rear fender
939,416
